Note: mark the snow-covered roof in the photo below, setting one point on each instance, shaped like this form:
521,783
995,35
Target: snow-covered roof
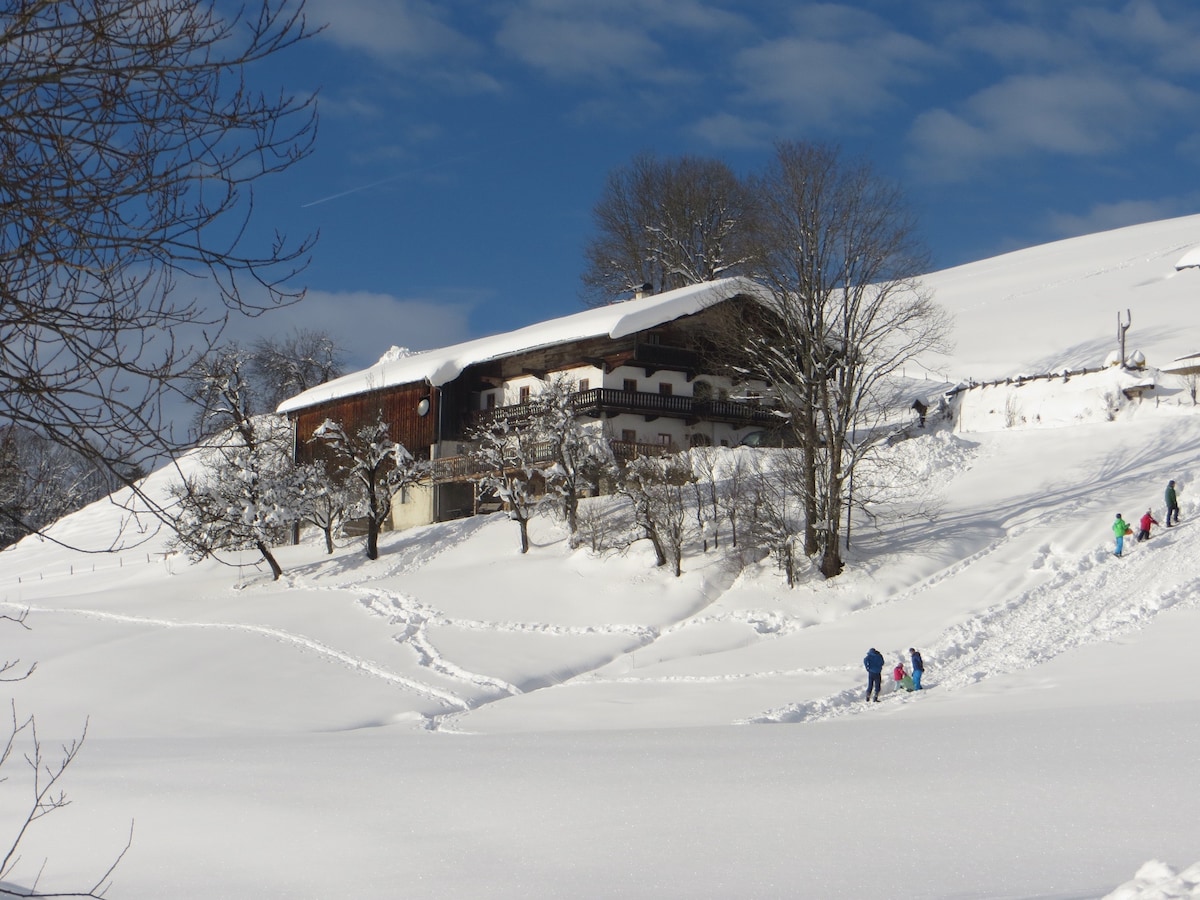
1189,260
438,367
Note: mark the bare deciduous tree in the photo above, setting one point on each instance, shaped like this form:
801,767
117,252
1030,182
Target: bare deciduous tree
667,223
130,144
732,497
43,784
323,501
41,481
706,465
577,454
659,491
837,250
290,364
775,507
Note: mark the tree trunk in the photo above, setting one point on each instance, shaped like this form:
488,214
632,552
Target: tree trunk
372,538
571,503
524,525
276,571
328,538
660,556
831,560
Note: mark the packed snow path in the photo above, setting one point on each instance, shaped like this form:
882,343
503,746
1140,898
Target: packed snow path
1087,598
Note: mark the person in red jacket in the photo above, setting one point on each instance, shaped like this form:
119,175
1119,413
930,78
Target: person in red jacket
1147,520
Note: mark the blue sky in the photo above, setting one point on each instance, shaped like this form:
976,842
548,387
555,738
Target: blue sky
463,145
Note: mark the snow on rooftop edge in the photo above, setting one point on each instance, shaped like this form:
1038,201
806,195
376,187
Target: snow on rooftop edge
443,365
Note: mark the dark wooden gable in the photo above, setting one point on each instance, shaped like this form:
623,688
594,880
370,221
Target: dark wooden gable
401,406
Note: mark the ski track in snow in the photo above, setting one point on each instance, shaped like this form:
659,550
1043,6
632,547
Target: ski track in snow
305,643
415,616
1091,598
1083,599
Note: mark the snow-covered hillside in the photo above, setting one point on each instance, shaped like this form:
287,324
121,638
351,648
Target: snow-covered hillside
1057,306
458,720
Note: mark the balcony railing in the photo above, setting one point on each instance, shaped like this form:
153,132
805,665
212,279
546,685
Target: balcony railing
464,468
598,402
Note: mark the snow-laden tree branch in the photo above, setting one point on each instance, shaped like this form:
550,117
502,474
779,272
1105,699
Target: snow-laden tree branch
376,465
248,494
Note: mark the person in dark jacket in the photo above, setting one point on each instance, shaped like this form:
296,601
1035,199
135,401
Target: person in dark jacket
873,663
918,668
1172,504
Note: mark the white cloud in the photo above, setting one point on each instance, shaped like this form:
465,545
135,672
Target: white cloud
813,82
1075,114
1107,216
1018,43
733,131
574,47
1164,42
365,324
835,66
400,30
617,40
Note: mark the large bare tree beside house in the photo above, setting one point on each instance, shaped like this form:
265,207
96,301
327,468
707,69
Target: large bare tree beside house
837,250
666,223
131,140
285,365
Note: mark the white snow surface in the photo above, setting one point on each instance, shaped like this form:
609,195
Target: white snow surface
1189,259
458,720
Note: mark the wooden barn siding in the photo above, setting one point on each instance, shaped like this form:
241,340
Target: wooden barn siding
399,406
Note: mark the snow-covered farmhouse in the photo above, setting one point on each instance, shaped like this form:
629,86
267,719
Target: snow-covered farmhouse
645,371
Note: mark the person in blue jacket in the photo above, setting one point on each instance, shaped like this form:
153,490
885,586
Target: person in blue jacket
918,668
873,663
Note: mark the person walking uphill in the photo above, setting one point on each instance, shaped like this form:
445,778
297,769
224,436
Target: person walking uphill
1172,504
918,668
1120,528
1144,526
873,663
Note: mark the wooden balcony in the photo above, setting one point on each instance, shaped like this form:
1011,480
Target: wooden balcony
606,402
464,468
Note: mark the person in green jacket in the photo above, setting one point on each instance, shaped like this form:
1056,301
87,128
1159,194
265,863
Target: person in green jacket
1172,504
1120,528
